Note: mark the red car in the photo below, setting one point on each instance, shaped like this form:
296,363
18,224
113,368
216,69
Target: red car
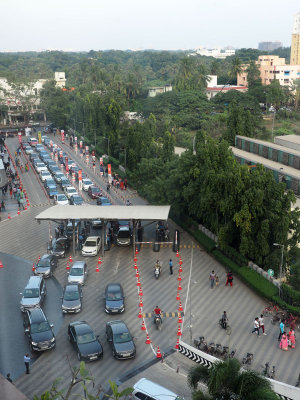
94,192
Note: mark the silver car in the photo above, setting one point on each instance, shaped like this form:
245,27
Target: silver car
34,293
78,273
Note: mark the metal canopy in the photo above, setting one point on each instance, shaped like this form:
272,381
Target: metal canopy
89,212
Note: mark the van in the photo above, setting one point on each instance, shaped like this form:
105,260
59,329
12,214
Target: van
34,293
148,390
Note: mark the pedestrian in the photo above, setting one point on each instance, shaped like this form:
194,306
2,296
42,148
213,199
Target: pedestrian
256,326
125,183
171,266
261,323
281,330
26,362
212,277
56,232
217,280
9,378
292,338
229,278
2,205
284,342
11,192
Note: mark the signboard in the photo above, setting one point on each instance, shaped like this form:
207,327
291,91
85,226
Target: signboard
62,136
20,137
109,172
40,137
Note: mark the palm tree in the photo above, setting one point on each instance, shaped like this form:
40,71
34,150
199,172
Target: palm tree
234,70
226,381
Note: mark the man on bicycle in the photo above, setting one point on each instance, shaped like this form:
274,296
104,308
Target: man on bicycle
224,320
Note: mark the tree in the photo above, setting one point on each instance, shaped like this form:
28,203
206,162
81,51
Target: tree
275,94
235,123
253,75
226,381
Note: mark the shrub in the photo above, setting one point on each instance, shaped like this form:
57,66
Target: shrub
234,255
204,240
260,284
290,295
285,306
229,264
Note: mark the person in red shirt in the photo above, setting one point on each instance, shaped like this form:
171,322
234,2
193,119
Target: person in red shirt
157,312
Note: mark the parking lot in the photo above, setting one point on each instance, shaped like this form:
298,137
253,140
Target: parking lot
22,236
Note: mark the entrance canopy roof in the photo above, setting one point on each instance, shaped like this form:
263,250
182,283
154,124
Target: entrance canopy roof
88,212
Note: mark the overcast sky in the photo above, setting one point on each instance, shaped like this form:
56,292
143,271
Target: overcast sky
143,24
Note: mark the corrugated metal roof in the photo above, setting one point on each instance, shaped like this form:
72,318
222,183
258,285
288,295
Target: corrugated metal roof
90,212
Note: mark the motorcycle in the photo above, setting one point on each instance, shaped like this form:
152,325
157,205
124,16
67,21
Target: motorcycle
157,322
156,272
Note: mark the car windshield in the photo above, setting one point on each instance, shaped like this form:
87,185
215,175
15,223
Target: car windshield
71,295
71,190
58,245
31,293
61,197
86,338
95,189
117,295
90,243
41,327
44,263
76,271
122,337
124,234
87,182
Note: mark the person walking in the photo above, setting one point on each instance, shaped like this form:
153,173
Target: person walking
212,277
261,323
292,338
284,342
171,266
26,362
229,278
11,192
281,330
256,326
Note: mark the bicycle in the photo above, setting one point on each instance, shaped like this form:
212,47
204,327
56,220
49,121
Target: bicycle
279,316
267,372
227,329
290,318
269,310
247,360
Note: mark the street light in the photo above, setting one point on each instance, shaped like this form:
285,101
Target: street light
107,144
281,264
274,112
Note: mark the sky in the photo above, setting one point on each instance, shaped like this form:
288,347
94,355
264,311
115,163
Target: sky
83,25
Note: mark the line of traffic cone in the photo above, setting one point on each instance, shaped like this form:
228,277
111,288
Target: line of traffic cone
178,296
143,327
33,267
135,265
70,259
138,282
179,331
141,292
140,314
99,261
68,266
177,253
8,216
18,211
137,275
177,344
180,261
180,269
179,286
180,307
148,341
179,318
97,268
179,277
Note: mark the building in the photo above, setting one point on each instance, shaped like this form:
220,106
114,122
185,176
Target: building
153,91
272,67
60,78
213,88
216,53
295,47
269,46
132,116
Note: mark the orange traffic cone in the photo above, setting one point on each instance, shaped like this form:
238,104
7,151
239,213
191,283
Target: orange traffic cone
179,286
180,269
135,266
25,207
67,267
180,261
178,296
141,303
148,341
140,314
141,292
33,267
18,211
138,282
1,265
70,260
158,354
99,261
177,253
136,251
143,327
134,258
179,318
8,216
137,275
177,344
97,268
179,277
39,258
179,331
180,307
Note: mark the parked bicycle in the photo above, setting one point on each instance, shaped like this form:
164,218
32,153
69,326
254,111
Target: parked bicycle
269,310
269,373
247,360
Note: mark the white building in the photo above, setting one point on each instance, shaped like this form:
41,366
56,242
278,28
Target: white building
153,91
216,53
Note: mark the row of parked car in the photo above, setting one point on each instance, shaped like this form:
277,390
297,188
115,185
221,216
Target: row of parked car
87,345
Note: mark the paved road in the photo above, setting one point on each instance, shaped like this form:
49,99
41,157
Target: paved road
203,306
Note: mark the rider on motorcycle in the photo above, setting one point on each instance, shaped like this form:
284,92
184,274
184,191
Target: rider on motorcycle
157,313
157,265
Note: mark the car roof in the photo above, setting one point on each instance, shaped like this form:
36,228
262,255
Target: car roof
153,389
72,287
114,287
36,315
33,281
78,324
78,264
46,256
117,326
92,238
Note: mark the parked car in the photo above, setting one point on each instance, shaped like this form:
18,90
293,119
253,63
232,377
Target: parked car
58,176
53,169
103,201
71,298
120,340
34,293
124,236
38,330
76,200
114,298
64,182
45,175
86,183
69,191
59,247
39,147
28,150
61,199
45,267
91,246
52,191
40,166
94,192
86,344
78,273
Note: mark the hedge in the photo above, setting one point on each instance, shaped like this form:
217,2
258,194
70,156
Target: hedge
290,295
285,306
204,240
234,255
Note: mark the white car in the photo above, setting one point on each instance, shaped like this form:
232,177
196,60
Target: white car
44,137
86,183
39,147
45,175
69,191
28,150
41,167
61,199
91,246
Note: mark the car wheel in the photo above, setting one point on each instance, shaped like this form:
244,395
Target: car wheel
79,356
114,354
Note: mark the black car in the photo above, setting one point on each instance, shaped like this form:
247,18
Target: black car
114,299
38,330
71,298
46,265
59,247
64,183
86,344
76,200
120,339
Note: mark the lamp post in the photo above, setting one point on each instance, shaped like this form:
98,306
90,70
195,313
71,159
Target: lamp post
107,144
274,112
281,264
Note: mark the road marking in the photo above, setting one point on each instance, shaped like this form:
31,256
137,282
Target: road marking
116,268
172,314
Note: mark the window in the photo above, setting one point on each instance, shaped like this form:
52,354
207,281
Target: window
286,73
286,81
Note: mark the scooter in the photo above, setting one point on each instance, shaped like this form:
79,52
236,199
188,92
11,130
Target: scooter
156,272
157,322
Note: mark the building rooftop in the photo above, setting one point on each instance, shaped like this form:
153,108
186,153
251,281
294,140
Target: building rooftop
273,145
